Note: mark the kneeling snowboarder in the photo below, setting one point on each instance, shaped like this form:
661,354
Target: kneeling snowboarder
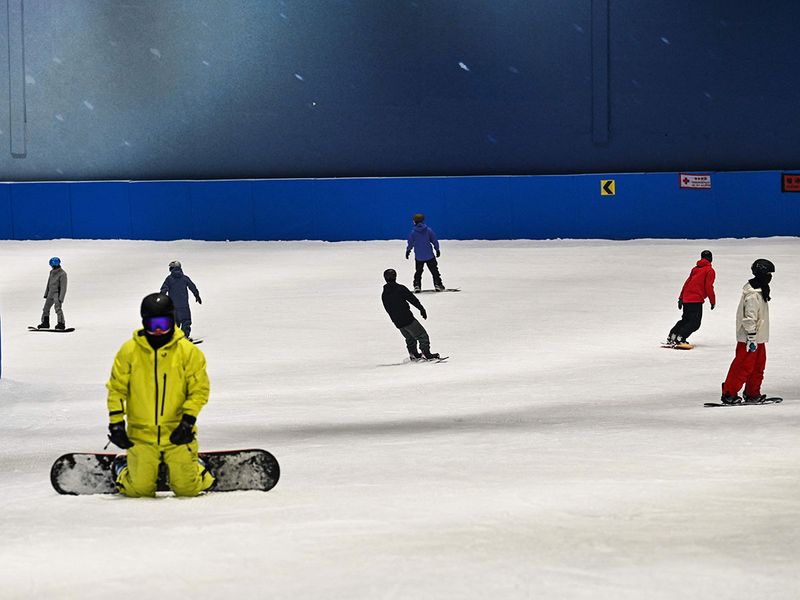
396,298
158,362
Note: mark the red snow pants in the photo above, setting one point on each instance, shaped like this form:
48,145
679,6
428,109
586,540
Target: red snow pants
747,368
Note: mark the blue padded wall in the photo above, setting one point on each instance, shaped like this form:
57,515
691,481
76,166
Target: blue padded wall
522,207
42,211
160,210
221,210
100,208
6,215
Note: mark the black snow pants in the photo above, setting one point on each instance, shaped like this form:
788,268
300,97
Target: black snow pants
690,321
183,319
433,267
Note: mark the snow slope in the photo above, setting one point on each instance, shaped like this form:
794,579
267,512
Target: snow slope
559,453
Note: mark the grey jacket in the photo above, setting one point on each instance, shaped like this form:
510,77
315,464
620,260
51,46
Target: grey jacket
176,286
56,284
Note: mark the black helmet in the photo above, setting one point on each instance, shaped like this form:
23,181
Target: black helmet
175,264
419,218
390,275
157,305
707,255
762,266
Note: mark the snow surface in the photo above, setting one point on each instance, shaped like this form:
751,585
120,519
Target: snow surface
559,453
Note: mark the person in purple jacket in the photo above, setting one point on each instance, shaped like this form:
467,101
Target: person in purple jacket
423,241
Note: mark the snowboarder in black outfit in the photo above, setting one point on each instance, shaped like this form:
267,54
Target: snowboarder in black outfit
396,298
176,286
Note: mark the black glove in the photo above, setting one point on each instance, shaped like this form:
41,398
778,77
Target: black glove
198,300
118,435
183,433
408,253
438,253
680,304
422,313
712,306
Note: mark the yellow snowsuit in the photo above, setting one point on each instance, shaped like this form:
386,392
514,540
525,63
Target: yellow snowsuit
154,389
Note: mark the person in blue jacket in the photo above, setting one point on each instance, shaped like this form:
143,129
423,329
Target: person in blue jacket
177,286
423,241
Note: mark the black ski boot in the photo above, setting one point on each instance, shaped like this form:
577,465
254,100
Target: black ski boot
119,463
413,356
430,356
754,399
731,399
61,326
205,475
725,399
45,324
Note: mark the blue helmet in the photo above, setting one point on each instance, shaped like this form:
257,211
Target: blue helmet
55,262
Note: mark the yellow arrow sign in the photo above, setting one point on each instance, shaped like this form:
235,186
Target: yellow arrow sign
608,187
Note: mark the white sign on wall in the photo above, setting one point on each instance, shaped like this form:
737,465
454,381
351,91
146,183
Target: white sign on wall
694,181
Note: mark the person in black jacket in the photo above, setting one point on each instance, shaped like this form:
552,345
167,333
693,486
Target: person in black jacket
396,298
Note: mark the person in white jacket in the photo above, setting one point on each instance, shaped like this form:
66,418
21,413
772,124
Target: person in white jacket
752,335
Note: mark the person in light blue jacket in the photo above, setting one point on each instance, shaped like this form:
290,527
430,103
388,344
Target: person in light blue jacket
177,286
424,243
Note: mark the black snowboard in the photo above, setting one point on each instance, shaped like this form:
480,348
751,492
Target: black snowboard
67,330
772,400
444,290
78,474
429,360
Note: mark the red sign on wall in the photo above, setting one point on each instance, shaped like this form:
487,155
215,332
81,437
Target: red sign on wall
694,181
790,182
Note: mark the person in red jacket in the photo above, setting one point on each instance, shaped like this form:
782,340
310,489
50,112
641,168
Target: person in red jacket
698,286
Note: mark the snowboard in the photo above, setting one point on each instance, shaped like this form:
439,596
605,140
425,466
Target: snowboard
67,330
678,346
772,400
429,360
79,474
196,341
433,291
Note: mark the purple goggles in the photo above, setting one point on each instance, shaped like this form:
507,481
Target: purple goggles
156,324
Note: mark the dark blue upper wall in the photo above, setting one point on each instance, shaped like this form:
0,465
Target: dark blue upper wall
310,88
